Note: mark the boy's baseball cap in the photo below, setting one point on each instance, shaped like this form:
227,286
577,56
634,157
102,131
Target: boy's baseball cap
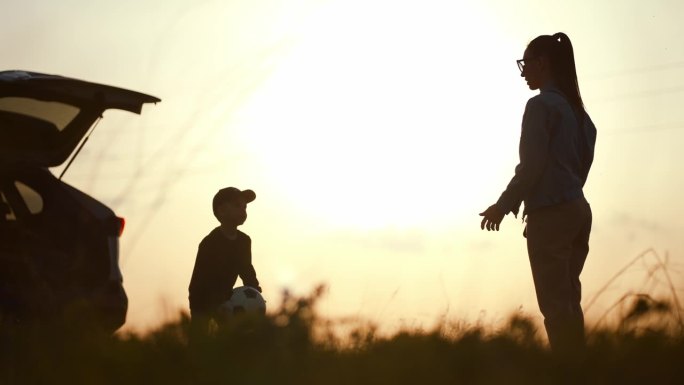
232,193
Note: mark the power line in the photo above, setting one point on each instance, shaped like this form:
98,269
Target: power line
639,94
645,129
635,71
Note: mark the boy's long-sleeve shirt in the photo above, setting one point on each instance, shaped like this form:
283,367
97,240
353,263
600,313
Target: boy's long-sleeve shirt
219,262
556,153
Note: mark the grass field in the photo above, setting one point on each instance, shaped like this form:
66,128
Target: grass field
293,346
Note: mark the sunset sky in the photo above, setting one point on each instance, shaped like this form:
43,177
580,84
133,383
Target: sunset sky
373,133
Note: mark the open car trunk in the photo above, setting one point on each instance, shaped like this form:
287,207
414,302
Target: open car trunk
44,117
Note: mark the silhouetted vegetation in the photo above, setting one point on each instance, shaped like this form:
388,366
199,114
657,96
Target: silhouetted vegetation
294,346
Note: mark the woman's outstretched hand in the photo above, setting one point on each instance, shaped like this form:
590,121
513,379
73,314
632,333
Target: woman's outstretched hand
492,218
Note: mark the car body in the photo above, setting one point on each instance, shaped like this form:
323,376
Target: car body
59,247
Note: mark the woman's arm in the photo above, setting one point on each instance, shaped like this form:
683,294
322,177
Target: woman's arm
534,152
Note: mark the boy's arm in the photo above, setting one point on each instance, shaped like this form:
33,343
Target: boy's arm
198,290
247,272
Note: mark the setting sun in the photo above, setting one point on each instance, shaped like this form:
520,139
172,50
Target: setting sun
371,127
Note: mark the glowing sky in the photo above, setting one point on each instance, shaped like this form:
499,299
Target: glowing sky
373,132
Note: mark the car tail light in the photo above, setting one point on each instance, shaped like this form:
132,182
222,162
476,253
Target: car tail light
122,223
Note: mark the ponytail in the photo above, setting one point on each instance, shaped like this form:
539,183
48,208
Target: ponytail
558,49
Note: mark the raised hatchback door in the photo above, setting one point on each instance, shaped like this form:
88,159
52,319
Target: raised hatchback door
44,117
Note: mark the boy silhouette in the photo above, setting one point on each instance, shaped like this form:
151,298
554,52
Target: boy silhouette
223,255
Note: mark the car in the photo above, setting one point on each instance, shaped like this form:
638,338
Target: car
59,247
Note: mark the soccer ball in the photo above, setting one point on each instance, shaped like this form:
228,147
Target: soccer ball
245,300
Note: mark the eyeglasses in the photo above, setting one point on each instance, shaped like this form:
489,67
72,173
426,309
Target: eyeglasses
521,63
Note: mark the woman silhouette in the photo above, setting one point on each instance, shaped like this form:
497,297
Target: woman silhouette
556,151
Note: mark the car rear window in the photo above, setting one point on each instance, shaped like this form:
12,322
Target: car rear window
56,113
30,198
6,209
33,200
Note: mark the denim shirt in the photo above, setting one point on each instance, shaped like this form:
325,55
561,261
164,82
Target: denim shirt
555,154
